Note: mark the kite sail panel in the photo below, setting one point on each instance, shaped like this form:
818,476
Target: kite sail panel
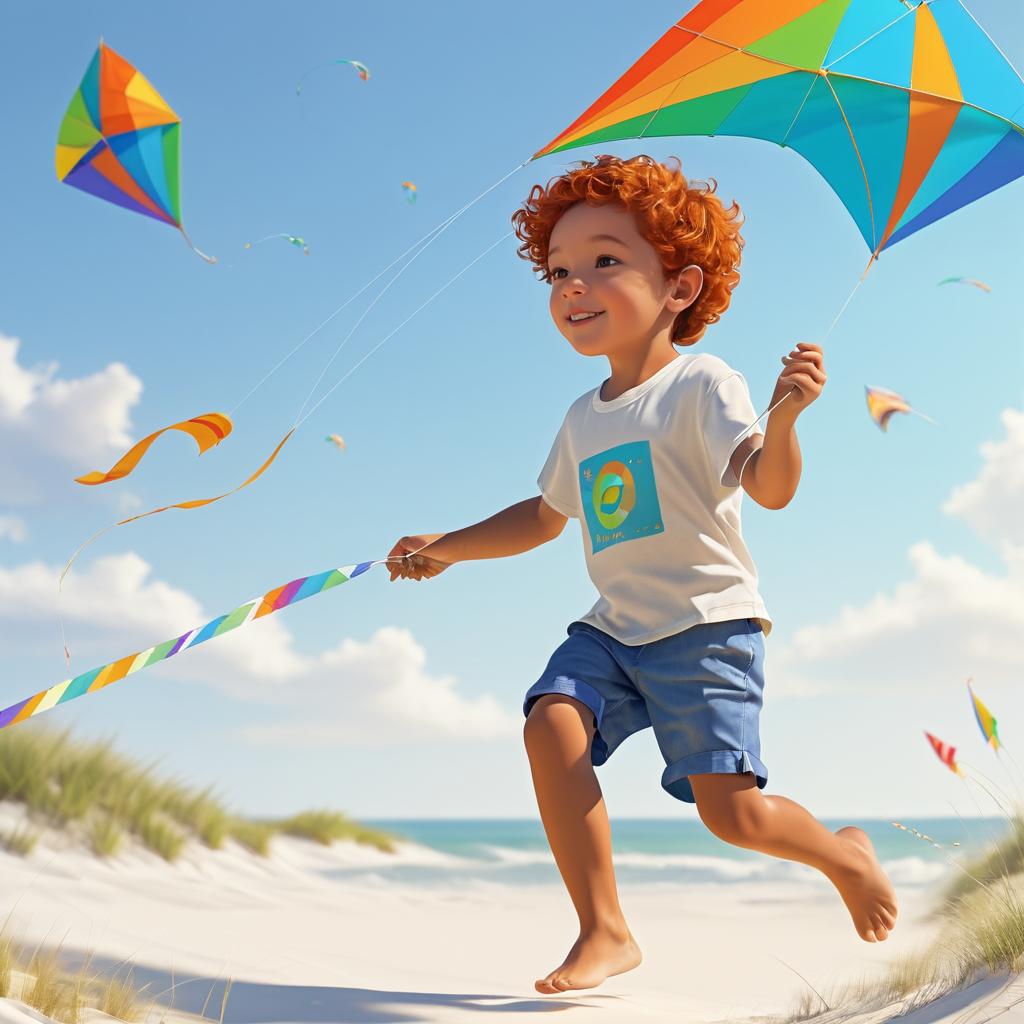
908,112
120,141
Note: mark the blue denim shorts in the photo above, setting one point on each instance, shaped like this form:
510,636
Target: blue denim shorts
700,690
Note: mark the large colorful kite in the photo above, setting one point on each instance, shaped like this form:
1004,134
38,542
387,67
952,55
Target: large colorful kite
119,140
909,111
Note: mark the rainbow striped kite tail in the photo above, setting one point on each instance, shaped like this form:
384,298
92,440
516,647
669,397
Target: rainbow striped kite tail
198,252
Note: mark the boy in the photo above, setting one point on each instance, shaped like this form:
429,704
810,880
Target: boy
654,463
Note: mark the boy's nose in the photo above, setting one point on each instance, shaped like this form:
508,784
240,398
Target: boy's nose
573,286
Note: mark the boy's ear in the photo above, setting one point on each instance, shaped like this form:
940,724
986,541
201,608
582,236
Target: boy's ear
686,286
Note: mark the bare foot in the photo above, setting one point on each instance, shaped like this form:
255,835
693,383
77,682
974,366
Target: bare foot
865,888
593,957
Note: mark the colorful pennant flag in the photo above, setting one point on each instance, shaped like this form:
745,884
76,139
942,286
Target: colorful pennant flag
945,753
986,720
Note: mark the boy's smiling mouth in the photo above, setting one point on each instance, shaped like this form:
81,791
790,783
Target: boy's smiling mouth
584,316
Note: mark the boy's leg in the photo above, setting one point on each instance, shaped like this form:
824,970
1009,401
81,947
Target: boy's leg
558,734
735,810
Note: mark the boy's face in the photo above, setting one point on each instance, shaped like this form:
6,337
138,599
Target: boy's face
600,264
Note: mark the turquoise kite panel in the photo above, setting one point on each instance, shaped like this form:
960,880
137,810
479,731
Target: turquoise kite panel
879,120
861,22
141,153
986,78
886,58
90,89
974,135
1004,164
769,108
821,138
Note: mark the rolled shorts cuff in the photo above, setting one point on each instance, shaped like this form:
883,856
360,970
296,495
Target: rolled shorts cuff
568,687
675,779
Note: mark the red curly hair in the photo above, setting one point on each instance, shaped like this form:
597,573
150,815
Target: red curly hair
684,221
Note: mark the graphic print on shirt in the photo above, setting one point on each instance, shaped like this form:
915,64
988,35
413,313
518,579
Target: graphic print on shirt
620,495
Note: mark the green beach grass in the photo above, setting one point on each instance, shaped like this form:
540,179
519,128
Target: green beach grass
90,791
982,912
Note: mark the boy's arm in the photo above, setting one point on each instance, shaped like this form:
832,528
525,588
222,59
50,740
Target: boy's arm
768,467
515,529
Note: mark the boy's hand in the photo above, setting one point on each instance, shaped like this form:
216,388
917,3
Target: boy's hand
805,371
406,563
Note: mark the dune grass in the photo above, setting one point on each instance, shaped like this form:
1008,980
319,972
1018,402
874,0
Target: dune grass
40,981
983,932
327,826
91,791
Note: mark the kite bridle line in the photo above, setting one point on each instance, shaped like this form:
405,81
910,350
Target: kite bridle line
416,248
428,238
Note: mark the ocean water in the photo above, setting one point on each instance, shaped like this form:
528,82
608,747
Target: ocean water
655,852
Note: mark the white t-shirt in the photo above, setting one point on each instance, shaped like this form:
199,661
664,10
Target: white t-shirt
648,476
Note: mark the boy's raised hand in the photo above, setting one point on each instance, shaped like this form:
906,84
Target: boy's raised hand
405,561
805,371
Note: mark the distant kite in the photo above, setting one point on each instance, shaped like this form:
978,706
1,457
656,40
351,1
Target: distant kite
986,720
299,243
966,280
882,403
361,69
410,191
335,439
120,141
207,431
945,753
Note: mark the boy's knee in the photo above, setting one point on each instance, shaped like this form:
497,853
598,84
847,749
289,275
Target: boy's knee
555,715
737,818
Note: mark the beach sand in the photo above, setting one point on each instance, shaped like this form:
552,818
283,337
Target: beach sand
300,946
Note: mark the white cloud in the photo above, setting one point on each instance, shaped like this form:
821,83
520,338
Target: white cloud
993,503
13,529
375,692
54,428
950,619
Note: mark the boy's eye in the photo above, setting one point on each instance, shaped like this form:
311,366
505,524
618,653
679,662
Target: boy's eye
556,273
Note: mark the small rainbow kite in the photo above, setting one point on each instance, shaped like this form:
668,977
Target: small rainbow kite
966,280
120,141
410,191
945,753
299,243
986,720
882,403
361,69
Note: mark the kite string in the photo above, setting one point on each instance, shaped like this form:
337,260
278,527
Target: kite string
392,333
422,248
825,337
443,225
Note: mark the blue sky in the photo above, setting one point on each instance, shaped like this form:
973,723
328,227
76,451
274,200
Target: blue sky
453,417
